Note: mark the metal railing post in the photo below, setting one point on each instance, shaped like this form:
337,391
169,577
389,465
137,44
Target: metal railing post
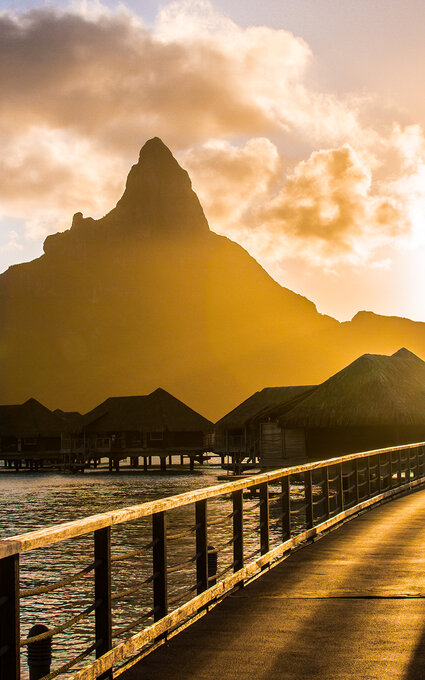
237,498
102,594
378,473
308,493
10,666
264,518
201,546
286,508
160,585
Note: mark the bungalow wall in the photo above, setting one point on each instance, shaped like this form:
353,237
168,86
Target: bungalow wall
278,445
322,443
29,444
134,440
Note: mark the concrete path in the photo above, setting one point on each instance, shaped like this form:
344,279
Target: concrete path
348,607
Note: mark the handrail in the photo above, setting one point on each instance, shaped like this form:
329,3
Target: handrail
316,496
62,532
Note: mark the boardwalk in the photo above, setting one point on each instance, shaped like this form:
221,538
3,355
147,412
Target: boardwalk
350,606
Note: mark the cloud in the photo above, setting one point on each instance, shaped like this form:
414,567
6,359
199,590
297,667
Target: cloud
276,162
230,180
329,198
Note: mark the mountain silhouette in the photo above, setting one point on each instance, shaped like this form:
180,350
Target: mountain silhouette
148,295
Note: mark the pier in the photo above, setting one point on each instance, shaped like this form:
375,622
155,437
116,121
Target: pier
247,602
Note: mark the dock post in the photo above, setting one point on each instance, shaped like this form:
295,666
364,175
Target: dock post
39,653
191,463
202,557
340,483
145,463
160,584
237,498
308,491
163,464
356,481
102,594
264,518
9,618
286,508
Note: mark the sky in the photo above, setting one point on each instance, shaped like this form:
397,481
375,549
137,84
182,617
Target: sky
301,124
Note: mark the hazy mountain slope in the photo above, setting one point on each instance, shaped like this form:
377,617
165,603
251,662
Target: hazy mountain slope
147,296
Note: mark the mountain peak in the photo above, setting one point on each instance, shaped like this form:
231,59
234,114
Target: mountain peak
158,199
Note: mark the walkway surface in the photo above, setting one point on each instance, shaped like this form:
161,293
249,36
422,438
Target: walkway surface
349,607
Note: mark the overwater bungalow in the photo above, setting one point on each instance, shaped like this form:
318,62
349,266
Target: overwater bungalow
153,424
29,431
248,439
375,402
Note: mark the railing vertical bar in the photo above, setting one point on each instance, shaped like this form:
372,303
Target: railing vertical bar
308,492
325,487
10,664
237,499
201,546
340,483
378,473
160,583
102,594
286,508
368,485
407,473
356,482
399,469
264,518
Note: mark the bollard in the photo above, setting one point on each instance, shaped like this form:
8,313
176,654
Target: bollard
212,565
39,653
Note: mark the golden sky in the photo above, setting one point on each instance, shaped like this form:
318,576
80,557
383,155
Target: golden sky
301,125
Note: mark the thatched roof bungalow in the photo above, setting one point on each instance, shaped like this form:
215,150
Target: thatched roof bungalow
29,427
241,434
155,422
376,401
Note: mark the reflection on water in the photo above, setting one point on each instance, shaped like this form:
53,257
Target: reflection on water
31,502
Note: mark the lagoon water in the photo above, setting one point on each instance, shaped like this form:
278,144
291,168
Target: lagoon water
33,501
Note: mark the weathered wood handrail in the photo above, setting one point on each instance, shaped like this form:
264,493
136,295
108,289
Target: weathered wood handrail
332,491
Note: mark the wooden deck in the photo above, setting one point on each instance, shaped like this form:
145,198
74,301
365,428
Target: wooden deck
348,607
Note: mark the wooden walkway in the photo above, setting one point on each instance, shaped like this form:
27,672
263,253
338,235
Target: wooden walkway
348,607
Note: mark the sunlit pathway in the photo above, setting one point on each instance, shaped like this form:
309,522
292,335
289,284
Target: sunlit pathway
348,607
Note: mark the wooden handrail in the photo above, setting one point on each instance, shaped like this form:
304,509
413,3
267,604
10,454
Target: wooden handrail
62,532
345,488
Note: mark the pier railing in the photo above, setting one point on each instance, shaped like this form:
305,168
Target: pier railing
265,516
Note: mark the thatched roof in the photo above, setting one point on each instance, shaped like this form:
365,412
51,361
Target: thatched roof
260,402
153,412
374,390
30,419
69,417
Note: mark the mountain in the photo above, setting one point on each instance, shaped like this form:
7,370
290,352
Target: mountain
148,296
